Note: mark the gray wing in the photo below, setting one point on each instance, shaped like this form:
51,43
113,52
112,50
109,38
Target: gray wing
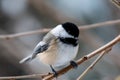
41,47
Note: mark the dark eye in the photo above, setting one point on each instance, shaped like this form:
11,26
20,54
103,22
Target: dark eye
68,31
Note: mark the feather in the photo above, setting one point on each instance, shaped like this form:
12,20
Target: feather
27,59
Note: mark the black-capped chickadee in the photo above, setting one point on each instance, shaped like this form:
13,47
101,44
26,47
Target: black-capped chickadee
58,47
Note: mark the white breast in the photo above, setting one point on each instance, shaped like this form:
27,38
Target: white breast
66,53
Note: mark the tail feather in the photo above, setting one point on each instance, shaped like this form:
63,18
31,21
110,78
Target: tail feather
27,59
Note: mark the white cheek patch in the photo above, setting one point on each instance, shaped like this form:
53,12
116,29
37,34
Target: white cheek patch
60,32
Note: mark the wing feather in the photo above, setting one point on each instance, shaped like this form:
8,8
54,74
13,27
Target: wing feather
41,47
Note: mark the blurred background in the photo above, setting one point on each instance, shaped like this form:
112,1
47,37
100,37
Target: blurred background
27,15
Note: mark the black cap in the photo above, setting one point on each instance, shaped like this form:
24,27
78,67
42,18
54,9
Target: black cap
71,29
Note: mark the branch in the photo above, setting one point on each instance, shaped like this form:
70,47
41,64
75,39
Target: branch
66,69
116,3
101,24
22,77
24,33
93,64
85,27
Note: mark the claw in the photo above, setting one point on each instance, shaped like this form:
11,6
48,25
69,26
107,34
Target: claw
74,64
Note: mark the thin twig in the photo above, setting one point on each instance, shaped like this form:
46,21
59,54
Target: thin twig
85,27
101,24
93,64
22,77
9,36
116,2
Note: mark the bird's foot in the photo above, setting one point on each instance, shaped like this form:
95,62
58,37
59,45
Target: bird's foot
54,71
74,64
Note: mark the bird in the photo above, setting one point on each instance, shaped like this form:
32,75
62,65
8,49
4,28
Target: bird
58,47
